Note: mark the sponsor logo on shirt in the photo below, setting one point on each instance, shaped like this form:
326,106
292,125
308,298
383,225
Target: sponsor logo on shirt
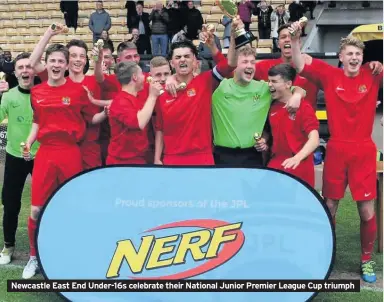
169,101
273,113
15,105
362,88
39,101
191,92
340,89
66,100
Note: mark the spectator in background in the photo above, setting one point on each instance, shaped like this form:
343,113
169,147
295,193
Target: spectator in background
226,21
296,11
107,40
193,21
310,6
279,17
141,23
1,55
108,59
245,8
175,19
263,12
70,9
131,13
206,55
160,19
140,42
100,20
7,65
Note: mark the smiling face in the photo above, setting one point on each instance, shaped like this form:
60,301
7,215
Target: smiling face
246,65
352,58
56,66
183,60
24,73
77,59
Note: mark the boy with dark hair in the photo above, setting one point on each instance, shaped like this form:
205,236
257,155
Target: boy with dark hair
16,106
60,107
78,49
295,138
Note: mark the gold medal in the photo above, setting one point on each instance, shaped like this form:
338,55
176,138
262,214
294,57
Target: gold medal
257,136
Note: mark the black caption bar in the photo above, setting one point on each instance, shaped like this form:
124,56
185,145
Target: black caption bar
183,285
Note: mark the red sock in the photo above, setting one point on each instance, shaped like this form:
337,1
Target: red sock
367,238
31,234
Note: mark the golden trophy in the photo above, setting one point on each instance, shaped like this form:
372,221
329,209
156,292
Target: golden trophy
229,8
181,86
210,28
149,81
64,29
99,44
302,22
2,76
257,136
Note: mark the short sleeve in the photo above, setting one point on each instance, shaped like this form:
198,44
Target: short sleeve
123,111
4,107
35,108
309,121
319,72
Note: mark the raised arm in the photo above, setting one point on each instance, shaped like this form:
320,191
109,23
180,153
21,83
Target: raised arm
35,59
298,59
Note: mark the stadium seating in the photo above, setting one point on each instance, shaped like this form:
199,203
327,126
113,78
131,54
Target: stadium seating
24,21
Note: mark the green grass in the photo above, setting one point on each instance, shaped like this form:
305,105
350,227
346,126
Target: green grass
347,258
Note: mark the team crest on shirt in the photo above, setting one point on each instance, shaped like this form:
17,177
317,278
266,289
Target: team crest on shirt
362,88
191,92
66,100
256,98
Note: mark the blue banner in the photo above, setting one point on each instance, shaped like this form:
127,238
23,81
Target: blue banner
185,223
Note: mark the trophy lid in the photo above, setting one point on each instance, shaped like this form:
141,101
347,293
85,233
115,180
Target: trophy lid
228,7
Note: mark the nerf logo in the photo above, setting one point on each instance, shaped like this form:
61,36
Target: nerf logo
221,241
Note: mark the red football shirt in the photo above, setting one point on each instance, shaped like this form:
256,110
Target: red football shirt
110,89
311,89
127,139
92,132
351,102
290,135
61,112
186,119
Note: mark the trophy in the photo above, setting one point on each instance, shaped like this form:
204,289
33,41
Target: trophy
210,28
302,22
25,149
64,29
149,81
257,136
2,76
229,8
181,86
99,44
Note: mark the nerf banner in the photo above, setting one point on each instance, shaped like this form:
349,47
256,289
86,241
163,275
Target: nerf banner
161,223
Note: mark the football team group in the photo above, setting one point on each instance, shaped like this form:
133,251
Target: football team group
240,113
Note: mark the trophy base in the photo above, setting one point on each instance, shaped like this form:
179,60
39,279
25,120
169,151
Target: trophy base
243,38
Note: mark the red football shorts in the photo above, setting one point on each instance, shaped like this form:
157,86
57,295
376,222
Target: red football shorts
203,159
305,171
53,165
130,161
91,154
353,164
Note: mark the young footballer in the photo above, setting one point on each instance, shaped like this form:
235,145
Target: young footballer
16,106
61,110
351,95
295,138
240,108
183,118
129,116
90,148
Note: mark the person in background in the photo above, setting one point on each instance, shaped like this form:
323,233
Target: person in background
193,21
160,19
7,65
175,19
140,42
279,17
310,6
132,13
70,9
100,20
226,21
263,12
108,60
107,40
245,8
141,22
296,11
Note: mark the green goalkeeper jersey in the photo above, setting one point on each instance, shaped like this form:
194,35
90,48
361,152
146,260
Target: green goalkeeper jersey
16,106
238,112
